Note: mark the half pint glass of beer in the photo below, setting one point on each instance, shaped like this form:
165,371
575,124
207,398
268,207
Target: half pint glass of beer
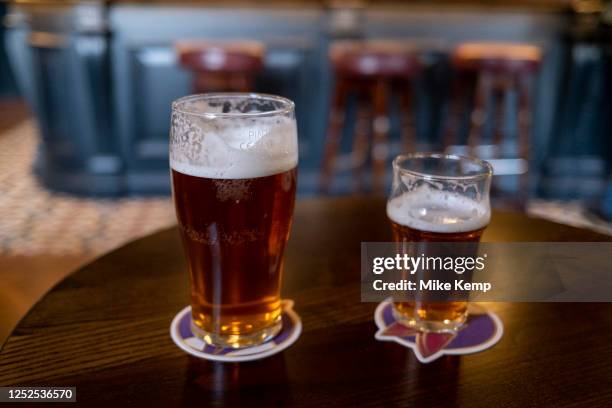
233,160
438,198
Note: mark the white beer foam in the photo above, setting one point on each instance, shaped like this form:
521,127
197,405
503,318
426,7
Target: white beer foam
240,148
429,209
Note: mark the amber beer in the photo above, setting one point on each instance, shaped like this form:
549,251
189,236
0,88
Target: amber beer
434,203
234,211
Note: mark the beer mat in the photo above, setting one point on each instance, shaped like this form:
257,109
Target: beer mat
482,330
180,331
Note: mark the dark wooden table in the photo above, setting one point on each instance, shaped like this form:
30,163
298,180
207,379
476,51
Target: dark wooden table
105,330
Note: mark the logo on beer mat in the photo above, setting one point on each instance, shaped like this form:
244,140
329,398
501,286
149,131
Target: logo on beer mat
481,330
180,331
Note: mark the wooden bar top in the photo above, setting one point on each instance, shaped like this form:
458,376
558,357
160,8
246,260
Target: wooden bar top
105,330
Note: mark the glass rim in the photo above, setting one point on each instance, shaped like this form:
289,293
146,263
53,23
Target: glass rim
287,105
487,169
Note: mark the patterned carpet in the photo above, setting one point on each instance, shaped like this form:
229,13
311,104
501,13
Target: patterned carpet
35,221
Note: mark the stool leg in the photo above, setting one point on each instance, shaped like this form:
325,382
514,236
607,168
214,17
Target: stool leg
408,138
524,134
498,130
224,83
499,99
198,82
334,133
479,114
360,143
241,82
210,82
380,147
459,88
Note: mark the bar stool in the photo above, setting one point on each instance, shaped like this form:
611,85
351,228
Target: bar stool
223,65
372,70
495,69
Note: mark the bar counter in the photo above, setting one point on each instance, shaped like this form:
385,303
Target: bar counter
101,74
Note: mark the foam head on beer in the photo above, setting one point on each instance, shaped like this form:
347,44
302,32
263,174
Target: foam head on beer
239,146
428,209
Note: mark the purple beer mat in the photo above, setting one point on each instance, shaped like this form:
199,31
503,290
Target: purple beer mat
182,335
482,330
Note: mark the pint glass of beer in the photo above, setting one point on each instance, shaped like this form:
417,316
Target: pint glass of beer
438,198
233,160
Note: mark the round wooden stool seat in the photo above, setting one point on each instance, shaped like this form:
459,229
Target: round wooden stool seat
220,66
497,57
221,56
374,58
